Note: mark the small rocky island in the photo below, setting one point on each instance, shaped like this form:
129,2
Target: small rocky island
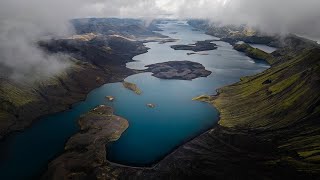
168,40
131,86
198,46
199,53
110,98
184,70
150,105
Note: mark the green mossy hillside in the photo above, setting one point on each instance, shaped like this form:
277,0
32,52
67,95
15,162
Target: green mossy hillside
291,88
254,53
281,104
16,95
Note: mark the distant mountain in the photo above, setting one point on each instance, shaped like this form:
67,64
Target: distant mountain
233,33
108,26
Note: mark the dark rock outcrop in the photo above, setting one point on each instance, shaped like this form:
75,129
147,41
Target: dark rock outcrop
198,46
184,70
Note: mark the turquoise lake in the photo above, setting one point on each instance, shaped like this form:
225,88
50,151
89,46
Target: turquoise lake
152,133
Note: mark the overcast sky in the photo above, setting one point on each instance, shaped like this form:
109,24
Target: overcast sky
23,22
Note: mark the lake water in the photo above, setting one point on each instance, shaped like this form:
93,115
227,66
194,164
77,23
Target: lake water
152,133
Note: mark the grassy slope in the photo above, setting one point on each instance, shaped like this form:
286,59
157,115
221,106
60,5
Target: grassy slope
254,53
282,104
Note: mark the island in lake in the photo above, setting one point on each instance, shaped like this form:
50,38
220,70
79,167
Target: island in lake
198,46
131,86
184,70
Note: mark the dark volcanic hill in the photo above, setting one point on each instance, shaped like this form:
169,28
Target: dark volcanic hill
109,26
97,49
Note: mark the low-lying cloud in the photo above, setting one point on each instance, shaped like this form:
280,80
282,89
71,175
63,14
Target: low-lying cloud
272,16
23,23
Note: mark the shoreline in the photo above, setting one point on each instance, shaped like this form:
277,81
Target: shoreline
158,162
